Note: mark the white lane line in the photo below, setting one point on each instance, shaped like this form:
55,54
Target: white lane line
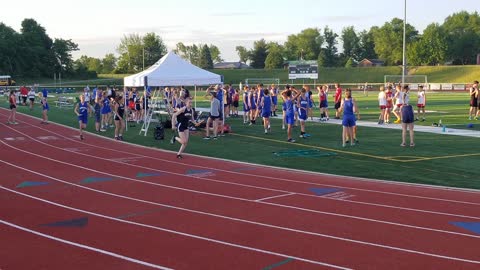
276,190
273,197
231,218
102,251
346,177
175,232
286,179
236,198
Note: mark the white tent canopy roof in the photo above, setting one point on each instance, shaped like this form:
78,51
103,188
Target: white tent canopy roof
172,70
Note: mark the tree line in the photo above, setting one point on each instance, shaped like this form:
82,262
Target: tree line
32,53
456,41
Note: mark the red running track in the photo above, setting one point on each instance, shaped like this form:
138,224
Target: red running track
132,207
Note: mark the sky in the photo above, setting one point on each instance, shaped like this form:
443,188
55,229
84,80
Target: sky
97,26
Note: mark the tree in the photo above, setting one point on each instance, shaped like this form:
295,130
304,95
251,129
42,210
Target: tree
305,45
9,39
62,50
463,37
37,58
109,63
350,63
215,52
153,49
274,58
389,41
189,53
205,60
430,48
367,44
328,56
259,54
131,53
351,43
243,54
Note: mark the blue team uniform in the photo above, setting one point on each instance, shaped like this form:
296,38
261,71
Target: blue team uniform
290,113
246,108
349,119
274,96
83,111
302,109
106,106
267,106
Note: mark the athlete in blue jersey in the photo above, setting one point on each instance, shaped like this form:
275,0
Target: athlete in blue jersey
246,106
45,107
288,97
274,94
252,104
82,110
266,105
303,104
349,107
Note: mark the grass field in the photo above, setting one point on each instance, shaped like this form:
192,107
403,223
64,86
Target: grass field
437,159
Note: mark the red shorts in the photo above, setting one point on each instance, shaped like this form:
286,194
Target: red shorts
399,105
383,107
421,105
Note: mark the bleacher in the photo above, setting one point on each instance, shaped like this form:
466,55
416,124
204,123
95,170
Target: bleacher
64,102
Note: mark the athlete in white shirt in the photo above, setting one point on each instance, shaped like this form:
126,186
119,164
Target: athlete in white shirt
382,103
421,103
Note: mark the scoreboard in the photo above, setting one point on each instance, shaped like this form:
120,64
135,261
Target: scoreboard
302,70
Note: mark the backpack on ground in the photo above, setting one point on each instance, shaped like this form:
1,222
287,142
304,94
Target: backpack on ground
159,132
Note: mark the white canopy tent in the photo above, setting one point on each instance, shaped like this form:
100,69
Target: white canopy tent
172,70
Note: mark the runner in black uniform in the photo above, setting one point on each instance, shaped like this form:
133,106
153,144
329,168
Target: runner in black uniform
180,121
119,113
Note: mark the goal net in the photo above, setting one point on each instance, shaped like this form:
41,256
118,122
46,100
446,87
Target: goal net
264,81
413,81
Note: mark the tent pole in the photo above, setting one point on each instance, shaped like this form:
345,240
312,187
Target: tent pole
195,101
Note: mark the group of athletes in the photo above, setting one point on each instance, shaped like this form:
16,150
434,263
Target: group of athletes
258,101
21,97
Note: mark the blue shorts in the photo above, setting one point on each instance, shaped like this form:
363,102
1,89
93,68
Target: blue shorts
407,114
46,107
97,113
302,114
245,107
349,121
290,119
274,100
83,118
284,106
266,114
323,104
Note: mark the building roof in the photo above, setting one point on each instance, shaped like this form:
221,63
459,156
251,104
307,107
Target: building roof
231,65
373,61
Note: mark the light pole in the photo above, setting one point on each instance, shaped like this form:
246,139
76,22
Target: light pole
404,62
143,58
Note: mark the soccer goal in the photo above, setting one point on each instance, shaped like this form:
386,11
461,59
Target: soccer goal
264,81
413,81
